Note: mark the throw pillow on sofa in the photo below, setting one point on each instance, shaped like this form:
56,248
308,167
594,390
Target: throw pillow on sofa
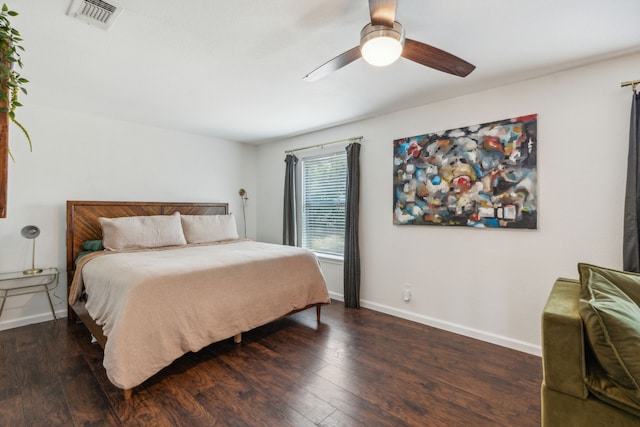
626,281
612,323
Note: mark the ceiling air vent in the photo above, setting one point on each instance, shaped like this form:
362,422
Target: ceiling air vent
96,13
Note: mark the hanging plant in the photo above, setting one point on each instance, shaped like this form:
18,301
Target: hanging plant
11,82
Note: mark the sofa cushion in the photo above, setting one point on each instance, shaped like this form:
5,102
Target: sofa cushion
603,388
626,281
612,323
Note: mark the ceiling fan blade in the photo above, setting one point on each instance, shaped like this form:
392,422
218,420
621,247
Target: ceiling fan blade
435,58
383,12
333,65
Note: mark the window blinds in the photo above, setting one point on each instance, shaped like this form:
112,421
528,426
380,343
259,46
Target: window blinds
323,203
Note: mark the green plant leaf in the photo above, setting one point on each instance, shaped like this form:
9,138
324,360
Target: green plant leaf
11,82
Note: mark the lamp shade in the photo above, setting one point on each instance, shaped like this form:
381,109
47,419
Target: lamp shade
30,232
381,45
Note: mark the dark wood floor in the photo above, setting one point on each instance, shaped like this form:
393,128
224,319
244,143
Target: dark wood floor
356,368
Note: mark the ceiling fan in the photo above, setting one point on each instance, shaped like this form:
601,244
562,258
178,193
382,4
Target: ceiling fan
383,41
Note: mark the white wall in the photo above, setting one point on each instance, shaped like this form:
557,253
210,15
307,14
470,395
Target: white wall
81,157
490,284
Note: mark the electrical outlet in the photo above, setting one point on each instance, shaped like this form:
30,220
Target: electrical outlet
406,292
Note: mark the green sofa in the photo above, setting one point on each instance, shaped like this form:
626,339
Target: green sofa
569,368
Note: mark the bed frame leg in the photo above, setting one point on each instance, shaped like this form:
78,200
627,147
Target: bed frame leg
128,392
318,309
237,338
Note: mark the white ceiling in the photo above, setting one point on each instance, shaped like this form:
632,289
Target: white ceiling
233,69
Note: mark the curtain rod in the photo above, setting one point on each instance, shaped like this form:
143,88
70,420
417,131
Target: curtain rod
632,83
354,139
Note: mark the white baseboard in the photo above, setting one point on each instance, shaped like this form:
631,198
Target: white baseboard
500,340
28,320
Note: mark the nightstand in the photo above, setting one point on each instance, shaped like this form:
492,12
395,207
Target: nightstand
19,283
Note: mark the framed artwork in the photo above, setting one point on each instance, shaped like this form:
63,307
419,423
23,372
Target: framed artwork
477,176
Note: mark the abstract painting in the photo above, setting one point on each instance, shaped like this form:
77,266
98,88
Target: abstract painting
476,176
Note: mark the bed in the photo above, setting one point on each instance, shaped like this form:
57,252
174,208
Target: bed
148,306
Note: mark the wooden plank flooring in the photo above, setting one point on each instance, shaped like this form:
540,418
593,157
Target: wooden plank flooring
355,368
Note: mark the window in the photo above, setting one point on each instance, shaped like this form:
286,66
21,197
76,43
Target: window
324,191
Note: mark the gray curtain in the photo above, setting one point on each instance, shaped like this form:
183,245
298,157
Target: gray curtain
289,226
351,243
631,243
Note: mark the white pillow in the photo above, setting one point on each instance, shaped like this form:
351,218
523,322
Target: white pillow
209,228
139,232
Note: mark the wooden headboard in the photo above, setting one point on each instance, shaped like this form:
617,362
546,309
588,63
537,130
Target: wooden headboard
83,224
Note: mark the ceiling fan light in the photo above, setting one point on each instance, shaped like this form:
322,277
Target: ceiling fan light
381,51
381,45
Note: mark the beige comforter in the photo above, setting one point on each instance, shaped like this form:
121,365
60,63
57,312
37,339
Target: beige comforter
155,306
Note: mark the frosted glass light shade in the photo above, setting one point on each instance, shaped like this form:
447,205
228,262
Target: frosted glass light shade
381,51
381,45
